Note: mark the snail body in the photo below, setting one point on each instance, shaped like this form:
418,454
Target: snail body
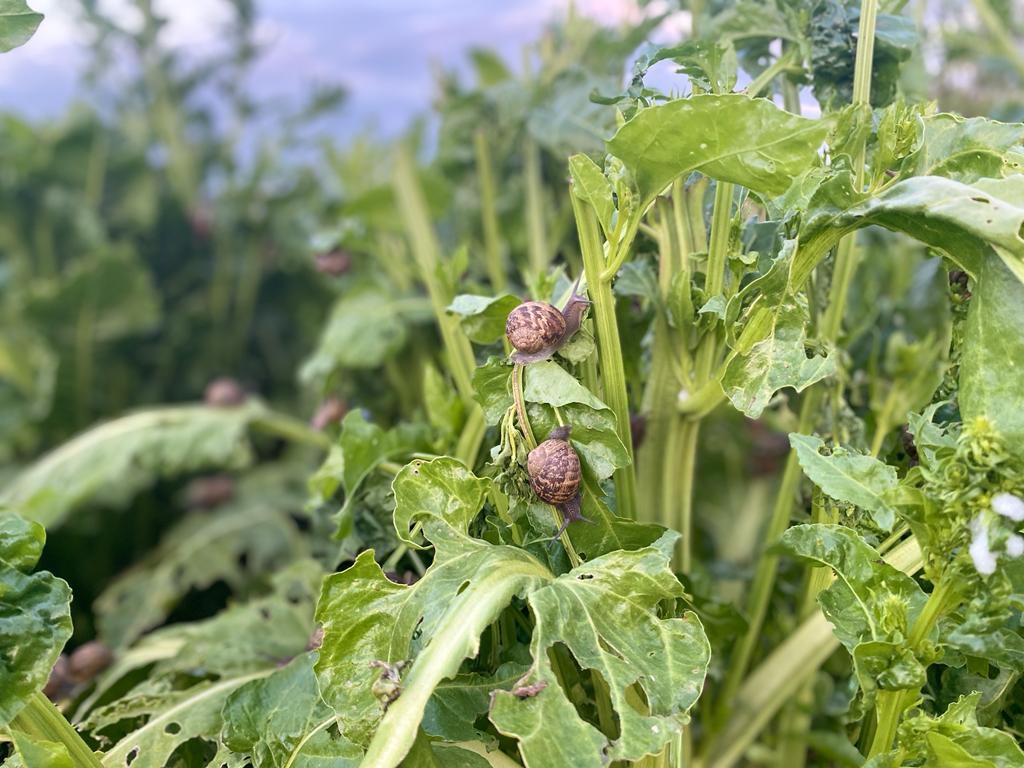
555,474
537,329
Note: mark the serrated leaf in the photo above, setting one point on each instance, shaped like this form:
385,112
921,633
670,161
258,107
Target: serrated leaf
729,137
35,615
604,612
483,317
848,476
110,463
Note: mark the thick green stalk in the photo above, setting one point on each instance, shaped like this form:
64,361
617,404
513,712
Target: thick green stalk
489,212
764,578
613,374
427,252
537,239
40,719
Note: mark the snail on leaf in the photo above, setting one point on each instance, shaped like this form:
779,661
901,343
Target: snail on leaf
555,474
537,329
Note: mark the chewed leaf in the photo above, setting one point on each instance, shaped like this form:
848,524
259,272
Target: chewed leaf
729,137
605,613
442,490
848,476
772,354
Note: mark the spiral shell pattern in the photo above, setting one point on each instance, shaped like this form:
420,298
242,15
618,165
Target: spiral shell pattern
534,326
554,470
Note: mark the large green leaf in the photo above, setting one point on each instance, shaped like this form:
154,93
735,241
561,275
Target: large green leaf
968,222
729,137
848,476
605,613
442,489
483,317
992,362
18,23
871,600
110,463
35,615
967,149
281,721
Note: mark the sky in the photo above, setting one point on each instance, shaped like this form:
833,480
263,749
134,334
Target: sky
383,51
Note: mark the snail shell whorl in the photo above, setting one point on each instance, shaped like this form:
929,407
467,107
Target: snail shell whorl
534,326
554,470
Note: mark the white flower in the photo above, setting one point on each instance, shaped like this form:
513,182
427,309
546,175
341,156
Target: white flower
983,557
1008,505
1015,545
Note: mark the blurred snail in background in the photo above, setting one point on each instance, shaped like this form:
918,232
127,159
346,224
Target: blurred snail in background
555,475
537,329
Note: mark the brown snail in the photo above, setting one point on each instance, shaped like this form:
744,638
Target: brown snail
555,475
537,329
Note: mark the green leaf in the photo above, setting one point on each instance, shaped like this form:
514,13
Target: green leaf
887,666
772,353
483,317
110,463
967,149
281,721
729,137
35,615
592,186
605,613
364,329
492,388
549,386
39,753
18,23
871,600
442,489
967,222
848,476
992,361
458,702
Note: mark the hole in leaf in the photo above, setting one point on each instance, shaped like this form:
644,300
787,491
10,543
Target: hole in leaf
980,199
172,728
195,751
130,757
597,679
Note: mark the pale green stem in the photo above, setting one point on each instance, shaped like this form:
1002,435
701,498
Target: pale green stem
427,252
998,29
41,720
284,426
489,212
776,68
613,375
540,257
764,578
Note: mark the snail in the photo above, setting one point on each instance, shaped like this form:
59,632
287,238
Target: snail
537,329
555,474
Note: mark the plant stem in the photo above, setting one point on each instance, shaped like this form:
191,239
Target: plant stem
489,212
778,66
537,237
997,28
284,426
764,578
613,375
427,252
42,720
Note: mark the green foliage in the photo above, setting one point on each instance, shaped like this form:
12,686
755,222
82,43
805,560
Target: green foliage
35,619
18,23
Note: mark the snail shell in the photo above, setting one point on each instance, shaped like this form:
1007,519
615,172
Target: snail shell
534,326
554,469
